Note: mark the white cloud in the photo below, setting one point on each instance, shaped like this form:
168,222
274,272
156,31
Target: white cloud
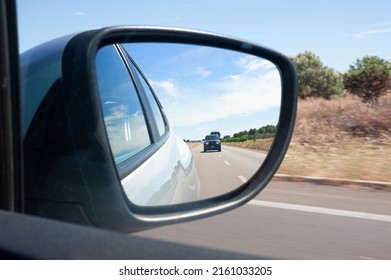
250,63
80,14
167,86
367,34
202,72
117,112
250,94
237,95
384,23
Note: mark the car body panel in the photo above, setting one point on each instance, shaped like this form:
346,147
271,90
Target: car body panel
40,67
178,180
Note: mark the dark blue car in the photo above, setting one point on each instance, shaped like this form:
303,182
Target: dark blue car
212,142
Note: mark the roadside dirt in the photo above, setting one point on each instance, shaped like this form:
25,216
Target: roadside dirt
341,139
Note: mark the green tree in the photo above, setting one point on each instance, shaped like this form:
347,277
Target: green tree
252,131
369,78
268,129
240,134
315,79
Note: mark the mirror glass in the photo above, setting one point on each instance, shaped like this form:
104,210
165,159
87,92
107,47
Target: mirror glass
214,110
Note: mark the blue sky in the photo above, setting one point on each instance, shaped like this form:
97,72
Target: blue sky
337,31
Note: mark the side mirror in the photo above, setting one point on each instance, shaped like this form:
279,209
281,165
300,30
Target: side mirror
101,148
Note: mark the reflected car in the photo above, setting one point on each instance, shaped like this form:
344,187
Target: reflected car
154,165
212,142
216,133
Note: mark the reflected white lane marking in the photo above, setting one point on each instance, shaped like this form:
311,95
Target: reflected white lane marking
320,210
226,162
244,180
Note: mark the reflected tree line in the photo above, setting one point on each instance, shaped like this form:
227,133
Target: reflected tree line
264,132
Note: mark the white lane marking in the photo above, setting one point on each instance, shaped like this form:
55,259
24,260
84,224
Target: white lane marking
366,258
226,162
244,180
320,210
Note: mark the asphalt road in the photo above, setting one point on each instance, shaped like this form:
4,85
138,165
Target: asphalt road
220,172
292,221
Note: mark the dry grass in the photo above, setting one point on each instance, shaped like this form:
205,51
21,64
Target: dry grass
259,144
341,139
323,122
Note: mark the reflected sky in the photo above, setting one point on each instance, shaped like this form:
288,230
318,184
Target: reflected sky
204,89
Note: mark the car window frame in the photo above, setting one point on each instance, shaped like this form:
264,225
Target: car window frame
126,167
155,108
130,99
135,68
11,182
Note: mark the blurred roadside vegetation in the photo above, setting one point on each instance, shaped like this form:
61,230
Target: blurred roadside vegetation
341,138
343,124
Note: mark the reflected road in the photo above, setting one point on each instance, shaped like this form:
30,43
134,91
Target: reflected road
221,172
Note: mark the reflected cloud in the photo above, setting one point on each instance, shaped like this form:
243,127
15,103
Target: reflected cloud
250,63
116,113
255,89
126,131
167,86
202,72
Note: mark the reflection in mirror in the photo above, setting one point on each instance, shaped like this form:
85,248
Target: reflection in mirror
123,115
222,109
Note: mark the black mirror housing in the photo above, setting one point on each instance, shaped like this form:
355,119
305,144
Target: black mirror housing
82,184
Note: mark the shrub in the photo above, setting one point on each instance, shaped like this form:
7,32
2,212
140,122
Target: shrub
315,79
368,78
